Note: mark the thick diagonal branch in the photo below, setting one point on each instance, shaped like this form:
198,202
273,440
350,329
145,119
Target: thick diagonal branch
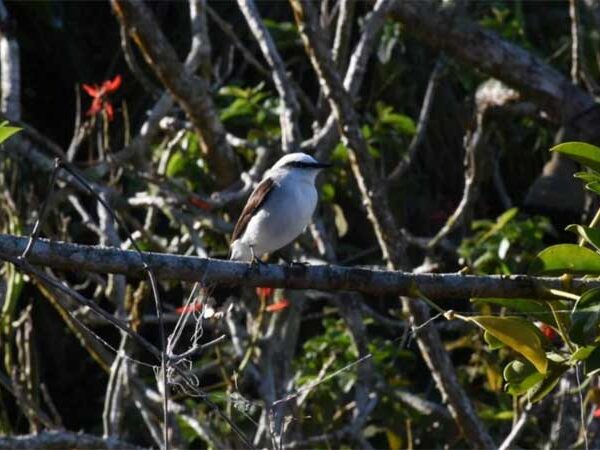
328,136
484,50
379,214
190,91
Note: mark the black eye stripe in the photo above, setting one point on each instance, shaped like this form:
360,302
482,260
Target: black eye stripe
300,165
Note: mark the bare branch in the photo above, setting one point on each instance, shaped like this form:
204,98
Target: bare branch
419,137
343,32
473,156
363,168
491,95
290,129
200,49
517,429
74,257
575,50
135,69
56,440
10,67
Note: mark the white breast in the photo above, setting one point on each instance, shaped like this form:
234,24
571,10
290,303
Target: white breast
283,217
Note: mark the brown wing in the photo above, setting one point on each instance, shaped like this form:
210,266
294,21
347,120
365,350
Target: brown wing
257,198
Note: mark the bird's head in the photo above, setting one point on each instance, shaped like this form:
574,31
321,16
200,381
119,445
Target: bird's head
299,164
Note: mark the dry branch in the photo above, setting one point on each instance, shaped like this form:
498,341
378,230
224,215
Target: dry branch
74,257
63,440
290,128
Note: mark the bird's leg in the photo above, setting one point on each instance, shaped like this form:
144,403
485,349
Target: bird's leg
255,260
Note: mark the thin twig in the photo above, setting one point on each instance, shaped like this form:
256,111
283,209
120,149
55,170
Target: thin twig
343,33
422,125
516,430
575,51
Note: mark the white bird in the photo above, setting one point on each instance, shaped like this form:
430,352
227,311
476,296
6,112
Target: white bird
279,209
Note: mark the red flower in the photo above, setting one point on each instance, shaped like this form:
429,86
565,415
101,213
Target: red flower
280,305
265,292
199,203
189,308
547,331
597,412
100,94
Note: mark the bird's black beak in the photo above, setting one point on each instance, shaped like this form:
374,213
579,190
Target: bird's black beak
321,165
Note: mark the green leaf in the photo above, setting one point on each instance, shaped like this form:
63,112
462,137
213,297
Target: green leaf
585,318
521,376
566,258
490,414
594,187
400,123
177,164
519,334
493,343
234,91
555,372
327,192
590,235
340,153
7,131
501,222
535,308
586,154
581,354
239,107
588,176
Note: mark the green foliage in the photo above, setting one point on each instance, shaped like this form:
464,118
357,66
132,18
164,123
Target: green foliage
521,376
390,39
586,154
519,334
285,34
536,309
566,258
186,166
579,330
252,109
504,246
585,318
334,340
7,131
507,19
